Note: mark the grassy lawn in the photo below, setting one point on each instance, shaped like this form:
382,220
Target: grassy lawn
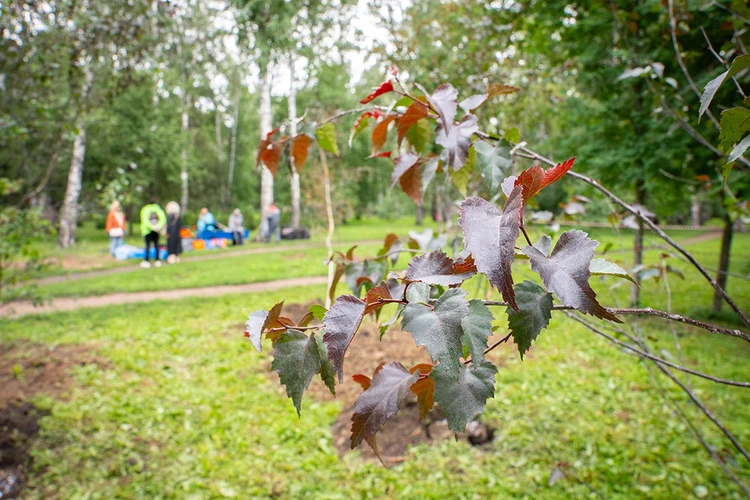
182,408
91,251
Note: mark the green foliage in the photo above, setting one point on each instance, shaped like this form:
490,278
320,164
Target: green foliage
533,315
463,398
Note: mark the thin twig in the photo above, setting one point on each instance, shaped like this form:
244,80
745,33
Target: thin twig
660,364
657,359
722,61
647,311
681,63
493,346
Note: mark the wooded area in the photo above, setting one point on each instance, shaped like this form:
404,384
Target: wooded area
498,124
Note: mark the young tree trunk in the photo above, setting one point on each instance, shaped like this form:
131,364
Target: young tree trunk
640,197
233,146
721,274
266,178
696,210
219,152
419,219
184,153
295,190
69,216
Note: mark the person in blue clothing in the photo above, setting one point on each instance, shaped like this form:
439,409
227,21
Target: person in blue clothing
206,221
153,220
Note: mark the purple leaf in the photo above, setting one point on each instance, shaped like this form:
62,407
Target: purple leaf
403,163
385,396
254,328
436,268
457,141
566,272
444,101
341,323
471,103
490,236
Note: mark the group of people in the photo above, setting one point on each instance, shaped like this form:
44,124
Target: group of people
155,222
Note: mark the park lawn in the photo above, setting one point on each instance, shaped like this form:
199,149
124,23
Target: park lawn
181,407
227,270
91,251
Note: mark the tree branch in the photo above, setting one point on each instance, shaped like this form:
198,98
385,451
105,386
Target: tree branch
647,311
660,364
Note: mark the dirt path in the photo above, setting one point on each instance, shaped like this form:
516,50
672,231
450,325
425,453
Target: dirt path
700,238
207,256
16,309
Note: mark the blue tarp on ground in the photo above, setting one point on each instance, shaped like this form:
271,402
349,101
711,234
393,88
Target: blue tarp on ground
208,235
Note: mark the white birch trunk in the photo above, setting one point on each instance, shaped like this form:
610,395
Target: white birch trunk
295,190
233,146
69,216
266,178
219,152
184,154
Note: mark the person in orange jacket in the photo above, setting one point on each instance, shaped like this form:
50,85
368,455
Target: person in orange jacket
115,226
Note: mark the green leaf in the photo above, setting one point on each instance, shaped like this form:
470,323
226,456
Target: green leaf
296,359
419,135
477,326
387,324
403,102
712,87
327,138
533,315
438,328
513,135
493,163
318,311
464,398
735,123
605,268
418,292
327,373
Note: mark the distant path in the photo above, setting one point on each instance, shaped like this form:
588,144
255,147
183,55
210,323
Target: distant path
16,309
207,256
700,238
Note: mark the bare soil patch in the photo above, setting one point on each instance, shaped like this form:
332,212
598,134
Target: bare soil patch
404,429
28,370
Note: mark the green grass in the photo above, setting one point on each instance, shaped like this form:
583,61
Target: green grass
91,251
182,408
228,270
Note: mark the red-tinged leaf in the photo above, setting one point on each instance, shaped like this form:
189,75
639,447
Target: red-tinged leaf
385,396
490,236
530,181
394,70
403,163
494,90
556,173
384,88
390,239
375,295
466,265
444,101
271,134
424,388
300,148
362,380
262,146
566,272
350,252
471,103
435,268
261,321
424,369
380,133
271,157
360,125
341,323
411,184
373,443
413,114
457,141
383,154
535,179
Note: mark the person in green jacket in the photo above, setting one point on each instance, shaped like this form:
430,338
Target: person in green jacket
153,220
